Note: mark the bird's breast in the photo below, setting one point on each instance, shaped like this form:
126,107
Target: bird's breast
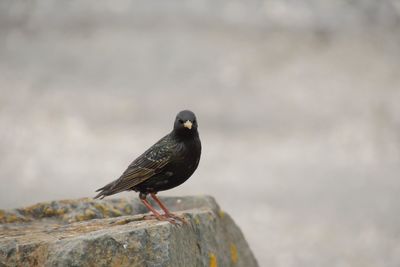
188,160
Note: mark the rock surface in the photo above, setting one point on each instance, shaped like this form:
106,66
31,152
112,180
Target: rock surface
88,232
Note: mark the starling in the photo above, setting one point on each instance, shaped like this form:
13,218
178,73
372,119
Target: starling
165,165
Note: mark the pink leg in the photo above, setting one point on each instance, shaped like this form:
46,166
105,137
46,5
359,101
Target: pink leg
156,214
164,208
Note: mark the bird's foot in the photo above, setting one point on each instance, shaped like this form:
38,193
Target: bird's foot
176,217
160,218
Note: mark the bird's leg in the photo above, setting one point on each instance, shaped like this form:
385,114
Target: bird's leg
156,214
166,211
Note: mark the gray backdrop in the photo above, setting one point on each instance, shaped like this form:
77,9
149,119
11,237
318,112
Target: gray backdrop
297,101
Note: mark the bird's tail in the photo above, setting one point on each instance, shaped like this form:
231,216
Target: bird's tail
105,191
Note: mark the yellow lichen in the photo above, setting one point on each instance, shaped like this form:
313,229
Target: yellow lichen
90,214
197,220
49,211
101,208
61,211
122,222
114,212
11,218
108,211
1,215
213,260
128,209
211,217
31,209
221,214
234,253
98,205
80,217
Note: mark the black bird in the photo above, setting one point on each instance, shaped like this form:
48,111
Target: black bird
165,165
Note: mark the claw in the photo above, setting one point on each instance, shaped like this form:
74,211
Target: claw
176,217
160,218
167,216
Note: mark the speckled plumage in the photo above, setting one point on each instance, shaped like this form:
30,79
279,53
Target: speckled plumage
165,165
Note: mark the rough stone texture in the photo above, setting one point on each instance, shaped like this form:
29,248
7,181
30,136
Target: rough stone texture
86,232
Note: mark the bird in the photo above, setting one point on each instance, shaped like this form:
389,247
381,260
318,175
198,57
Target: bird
165,165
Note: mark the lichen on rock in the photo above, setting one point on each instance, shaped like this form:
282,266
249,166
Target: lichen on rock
88,232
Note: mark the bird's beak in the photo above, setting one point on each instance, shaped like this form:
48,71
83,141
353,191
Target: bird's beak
188,124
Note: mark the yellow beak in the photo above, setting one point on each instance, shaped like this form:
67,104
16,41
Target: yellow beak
188,124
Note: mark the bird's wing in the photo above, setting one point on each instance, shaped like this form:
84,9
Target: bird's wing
145,166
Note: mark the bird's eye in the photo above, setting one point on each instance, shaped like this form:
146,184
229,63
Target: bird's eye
194,121
180,121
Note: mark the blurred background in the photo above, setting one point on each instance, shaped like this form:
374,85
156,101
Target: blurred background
297,102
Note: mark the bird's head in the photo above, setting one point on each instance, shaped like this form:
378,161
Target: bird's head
185,122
